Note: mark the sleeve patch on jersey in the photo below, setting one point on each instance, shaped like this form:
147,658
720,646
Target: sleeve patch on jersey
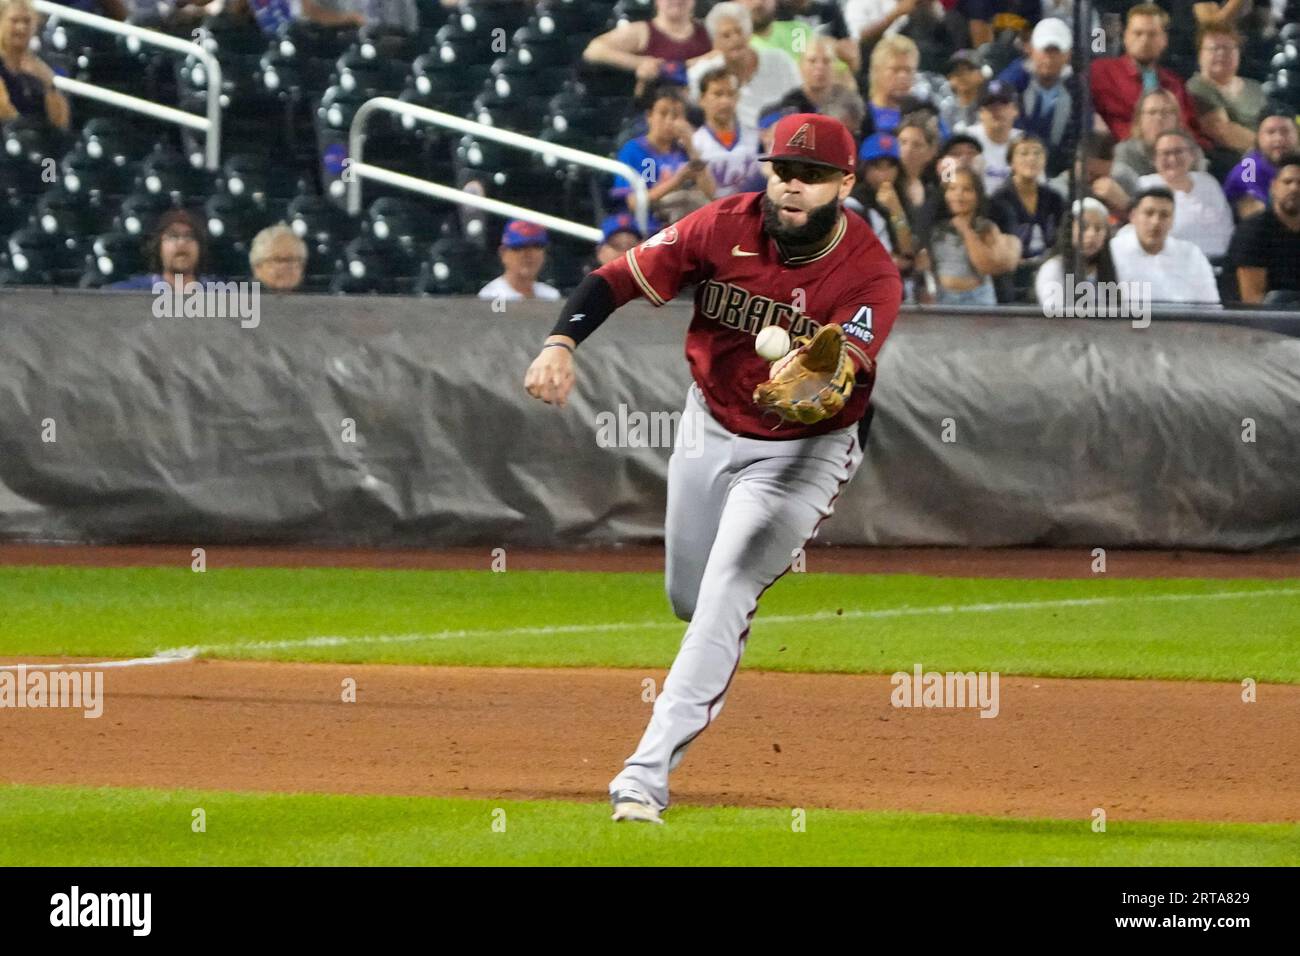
664,237
860,325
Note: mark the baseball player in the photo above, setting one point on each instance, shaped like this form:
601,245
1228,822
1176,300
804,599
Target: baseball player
771,445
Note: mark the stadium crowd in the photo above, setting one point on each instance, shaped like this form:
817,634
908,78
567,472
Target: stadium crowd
968,114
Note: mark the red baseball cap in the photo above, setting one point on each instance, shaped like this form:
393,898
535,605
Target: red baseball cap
813,138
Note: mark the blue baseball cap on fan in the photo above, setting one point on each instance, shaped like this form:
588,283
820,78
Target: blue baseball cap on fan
626,222
877,147
518,234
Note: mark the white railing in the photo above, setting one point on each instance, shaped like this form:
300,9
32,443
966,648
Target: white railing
210,125
359,170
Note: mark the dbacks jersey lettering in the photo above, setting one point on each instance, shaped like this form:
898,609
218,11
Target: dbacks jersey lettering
744,284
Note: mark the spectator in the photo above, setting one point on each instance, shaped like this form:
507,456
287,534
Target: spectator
918,184
1087,229
1156,113
730,152
1247,185
817,70
523,254
278,258
1171,269
113,9
620,233
26,81
678,179
962,151
893,74
1050,100
1266,247
869,20
656,50
964,247
805,20
846,106
177,17
987,18
765,75
1117,82
875,197
337,14
271,15
1033,211
1201,213
960,111
1063,10
393,16
1228,106
1095,165
995,132
177,251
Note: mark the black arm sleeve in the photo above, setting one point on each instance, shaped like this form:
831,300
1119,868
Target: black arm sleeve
591,304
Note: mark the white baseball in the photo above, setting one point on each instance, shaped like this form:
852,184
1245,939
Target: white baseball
772,343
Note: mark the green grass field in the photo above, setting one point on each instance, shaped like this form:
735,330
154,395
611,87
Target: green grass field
1179,629
71,826
1188,629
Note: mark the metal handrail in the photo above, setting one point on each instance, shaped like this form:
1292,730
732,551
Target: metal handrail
359,170
210,125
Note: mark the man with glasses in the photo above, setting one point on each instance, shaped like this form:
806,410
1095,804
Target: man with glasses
278,258
177,252
746,488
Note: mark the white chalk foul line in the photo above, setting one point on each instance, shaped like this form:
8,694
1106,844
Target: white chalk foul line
613,627
162,657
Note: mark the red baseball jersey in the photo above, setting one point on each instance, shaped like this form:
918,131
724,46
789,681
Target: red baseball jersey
745,284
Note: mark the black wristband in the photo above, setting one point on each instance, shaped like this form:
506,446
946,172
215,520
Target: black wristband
591,304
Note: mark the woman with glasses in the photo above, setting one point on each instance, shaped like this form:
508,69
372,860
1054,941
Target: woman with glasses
1202,215
1228,106
1157,112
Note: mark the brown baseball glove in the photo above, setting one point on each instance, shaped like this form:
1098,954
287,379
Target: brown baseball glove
812,382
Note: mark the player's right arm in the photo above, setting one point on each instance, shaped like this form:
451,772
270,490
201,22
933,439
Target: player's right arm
654,270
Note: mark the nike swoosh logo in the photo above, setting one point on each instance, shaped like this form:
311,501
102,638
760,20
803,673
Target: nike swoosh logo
577,316
737,251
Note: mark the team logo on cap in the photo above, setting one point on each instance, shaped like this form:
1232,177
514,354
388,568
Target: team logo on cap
804,138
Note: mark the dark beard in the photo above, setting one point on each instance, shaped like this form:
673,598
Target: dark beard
821,220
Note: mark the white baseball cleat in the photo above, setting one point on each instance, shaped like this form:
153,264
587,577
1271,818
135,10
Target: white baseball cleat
631,805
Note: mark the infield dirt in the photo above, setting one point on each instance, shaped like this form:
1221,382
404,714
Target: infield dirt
1141,750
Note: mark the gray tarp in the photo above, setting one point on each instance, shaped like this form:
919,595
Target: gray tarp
1068,432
